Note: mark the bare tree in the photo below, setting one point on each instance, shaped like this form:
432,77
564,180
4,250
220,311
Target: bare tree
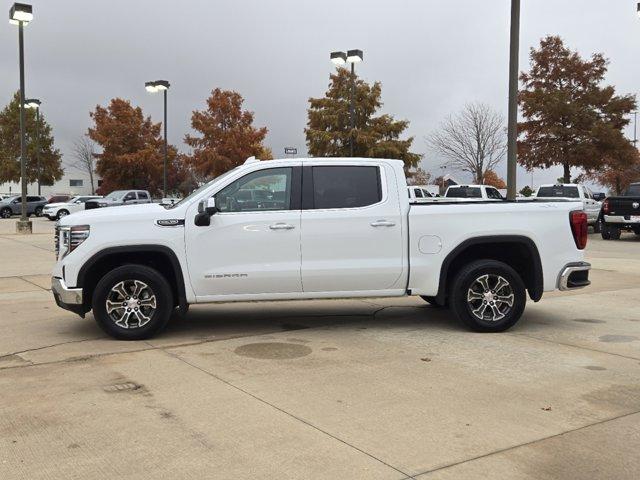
85,158
418,177
473,140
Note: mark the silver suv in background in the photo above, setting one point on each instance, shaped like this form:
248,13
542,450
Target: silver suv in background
120,197
11,206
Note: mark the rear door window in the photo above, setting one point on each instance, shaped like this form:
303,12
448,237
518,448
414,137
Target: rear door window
418,192
346,186
143,196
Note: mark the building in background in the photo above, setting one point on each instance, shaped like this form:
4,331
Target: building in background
73,182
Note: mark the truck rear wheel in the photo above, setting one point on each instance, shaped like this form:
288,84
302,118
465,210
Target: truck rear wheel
614,233
132,302
488,296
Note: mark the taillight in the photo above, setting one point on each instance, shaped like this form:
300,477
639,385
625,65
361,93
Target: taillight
605,206
578,221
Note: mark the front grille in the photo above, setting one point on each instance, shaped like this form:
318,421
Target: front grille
56,240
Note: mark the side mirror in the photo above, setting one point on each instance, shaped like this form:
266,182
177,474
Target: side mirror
206,208
211,208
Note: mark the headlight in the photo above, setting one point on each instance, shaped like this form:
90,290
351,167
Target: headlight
71,238
102,204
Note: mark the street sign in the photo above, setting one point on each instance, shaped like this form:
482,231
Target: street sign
290,151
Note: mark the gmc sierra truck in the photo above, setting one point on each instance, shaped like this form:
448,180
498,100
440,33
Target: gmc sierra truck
315,228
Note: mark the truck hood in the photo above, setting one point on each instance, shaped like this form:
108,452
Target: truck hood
145,211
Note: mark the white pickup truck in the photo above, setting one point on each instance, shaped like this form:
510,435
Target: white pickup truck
575,192
314,228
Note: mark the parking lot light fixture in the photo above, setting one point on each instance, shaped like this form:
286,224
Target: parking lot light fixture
21,14
638,9
338,58
154,87
34,103
354,56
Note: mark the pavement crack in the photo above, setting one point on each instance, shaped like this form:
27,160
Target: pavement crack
47,346
532,442
283,411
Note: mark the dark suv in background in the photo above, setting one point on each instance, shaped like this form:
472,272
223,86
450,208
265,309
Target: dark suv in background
11,206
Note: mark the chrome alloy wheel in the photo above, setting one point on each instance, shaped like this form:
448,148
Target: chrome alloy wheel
131,304
490,297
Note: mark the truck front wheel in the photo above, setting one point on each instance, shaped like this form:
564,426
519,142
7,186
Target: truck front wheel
132,302
488,296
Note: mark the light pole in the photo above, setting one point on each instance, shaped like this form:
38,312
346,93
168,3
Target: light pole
352,57
153,87
21,14
512,130
35,103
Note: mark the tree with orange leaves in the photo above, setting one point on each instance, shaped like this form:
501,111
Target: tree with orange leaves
492,178
226,135
132,155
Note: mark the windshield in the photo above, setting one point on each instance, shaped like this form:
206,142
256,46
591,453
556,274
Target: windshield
115,195
201,188
73,199
633,191
464,192
558,191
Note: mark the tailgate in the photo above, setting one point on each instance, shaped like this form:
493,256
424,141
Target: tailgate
622,206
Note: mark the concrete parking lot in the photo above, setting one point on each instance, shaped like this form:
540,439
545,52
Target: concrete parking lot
371,389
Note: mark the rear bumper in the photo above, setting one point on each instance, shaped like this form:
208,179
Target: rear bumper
626,219
574,276
67,298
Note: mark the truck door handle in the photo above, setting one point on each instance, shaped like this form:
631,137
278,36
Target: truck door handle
382,223
281,226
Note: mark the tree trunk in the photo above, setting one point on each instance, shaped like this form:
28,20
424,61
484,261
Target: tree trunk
567,173
93,190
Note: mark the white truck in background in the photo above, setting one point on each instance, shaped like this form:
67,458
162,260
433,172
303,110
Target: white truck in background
320,228
421,193
55,211
573,192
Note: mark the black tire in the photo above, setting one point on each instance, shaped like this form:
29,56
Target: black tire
465,284
38,211
431,301
636,230
614,233
62,213
107,290
605,232
597,227
6,213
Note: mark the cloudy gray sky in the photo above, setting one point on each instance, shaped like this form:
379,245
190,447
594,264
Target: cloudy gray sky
432,56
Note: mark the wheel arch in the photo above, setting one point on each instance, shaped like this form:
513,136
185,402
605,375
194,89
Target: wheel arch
160,257
518,251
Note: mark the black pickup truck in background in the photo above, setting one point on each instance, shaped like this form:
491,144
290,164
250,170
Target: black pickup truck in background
621,213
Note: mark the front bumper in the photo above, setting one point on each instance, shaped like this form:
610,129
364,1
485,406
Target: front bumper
574,276
67,298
